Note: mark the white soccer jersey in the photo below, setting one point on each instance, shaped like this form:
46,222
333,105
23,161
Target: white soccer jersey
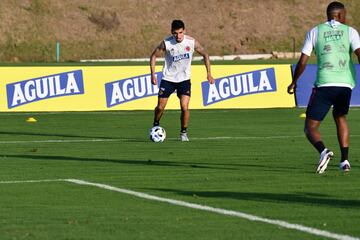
311,38
178,56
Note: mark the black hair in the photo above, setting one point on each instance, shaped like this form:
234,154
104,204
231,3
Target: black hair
334,6
177,24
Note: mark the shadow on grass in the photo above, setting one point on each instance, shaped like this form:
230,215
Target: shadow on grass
119,161
154,162
50,135
281,198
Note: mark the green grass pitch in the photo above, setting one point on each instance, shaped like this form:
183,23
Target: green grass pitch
250,161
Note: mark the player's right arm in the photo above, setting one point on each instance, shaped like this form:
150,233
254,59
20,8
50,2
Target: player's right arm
299,69
158,51
309,44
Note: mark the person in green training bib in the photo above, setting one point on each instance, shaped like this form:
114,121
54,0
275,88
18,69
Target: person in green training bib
334,43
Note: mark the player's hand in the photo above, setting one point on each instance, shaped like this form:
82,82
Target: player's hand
291,88
153,79
210,79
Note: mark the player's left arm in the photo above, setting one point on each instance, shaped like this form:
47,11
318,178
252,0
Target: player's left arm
299,69
202,51
357,53
156,53
355,42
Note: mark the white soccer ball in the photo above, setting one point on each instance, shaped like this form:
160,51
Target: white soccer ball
157,134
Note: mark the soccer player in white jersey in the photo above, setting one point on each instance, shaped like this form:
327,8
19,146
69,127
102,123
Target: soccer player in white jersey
178,49
333,42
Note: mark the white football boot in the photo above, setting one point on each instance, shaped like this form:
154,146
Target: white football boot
325,157
345,166
184,137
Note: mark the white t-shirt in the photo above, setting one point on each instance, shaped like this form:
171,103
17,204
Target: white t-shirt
310,42
311,38
178,56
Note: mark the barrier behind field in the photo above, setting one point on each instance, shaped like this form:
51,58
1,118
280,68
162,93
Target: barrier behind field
99,88
102,88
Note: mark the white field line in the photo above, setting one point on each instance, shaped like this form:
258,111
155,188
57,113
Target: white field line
245,137
250,217
257,137
33,181
191,139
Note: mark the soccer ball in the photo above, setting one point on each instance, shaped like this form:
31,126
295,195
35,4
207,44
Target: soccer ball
157,134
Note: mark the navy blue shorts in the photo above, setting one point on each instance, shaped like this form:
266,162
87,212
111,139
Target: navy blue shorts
324,97
167,88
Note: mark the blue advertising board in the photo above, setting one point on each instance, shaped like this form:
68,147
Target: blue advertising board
232,86
44,87
130,89
306,83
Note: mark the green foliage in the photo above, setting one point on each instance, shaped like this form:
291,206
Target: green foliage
40,7
32,50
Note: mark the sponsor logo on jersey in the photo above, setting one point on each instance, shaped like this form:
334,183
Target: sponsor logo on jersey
342,48
238,85
342,63
333,35
181,57
59,85
327,65
326,50
130,89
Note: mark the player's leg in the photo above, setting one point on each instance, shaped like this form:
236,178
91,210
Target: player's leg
184,93
312,133
343,138
185,113
318,107
341,109
342,129
184,117
165,90
159,110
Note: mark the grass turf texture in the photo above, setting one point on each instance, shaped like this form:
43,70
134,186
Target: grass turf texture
268,177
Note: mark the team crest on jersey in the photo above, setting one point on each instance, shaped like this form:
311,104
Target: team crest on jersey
187,48
161,91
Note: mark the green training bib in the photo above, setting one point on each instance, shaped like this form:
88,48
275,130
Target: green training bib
333,54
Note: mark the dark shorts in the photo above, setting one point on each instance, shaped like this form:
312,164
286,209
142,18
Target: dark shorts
167,88
323,98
